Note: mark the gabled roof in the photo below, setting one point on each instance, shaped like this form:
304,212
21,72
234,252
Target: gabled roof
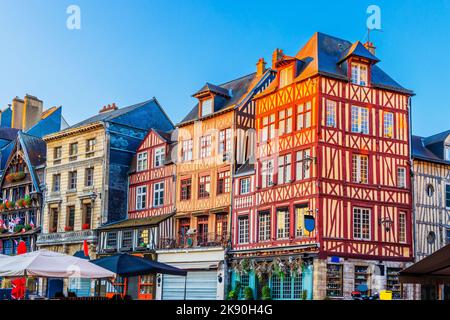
322,54
425,149
357,49
239,89
208,87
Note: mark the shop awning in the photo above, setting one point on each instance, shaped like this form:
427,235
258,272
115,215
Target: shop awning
127,265
434,269
136,223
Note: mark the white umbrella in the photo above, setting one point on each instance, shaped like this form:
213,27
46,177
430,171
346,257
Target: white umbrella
49,264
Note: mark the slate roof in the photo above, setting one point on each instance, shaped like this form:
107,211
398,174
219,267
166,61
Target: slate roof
322,55
425,148
208,87
238,88
246,169
36,148
8,133
134,223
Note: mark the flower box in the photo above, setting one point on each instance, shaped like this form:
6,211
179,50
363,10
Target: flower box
51,230
86,226
68,228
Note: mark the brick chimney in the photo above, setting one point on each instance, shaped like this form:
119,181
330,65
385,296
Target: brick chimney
369,46
108,108
260,67
276,56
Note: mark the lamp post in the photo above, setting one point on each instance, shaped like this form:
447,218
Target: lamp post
387,223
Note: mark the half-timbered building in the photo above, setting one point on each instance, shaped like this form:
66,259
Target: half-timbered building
331,188
151,206
431,171
207,137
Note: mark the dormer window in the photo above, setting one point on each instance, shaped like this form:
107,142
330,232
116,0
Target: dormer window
359,74
286,76
447,152
207,107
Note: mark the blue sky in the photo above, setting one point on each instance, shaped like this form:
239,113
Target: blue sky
129,51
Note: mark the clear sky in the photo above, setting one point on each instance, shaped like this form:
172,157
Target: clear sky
129,51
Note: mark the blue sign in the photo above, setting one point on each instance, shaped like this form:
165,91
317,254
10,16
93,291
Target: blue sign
310,223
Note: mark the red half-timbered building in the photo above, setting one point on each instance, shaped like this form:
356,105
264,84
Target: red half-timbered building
151,207
329,208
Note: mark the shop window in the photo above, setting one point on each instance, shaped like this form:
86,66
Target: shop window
287,287
334,285
393,283
361,277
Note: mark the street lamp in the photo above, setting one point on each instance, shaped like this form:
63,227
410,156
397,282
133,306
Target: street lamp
387,223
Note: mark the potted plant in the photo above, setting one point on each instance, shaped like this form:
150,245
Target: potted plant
68,228
10,204
304,294
19,203
19,176
86,226
19,228
266,293
27,201
232,295
2,206
248,293
28,227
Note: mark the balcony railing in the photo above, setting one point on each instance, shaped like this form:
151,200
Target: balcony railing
67,237
196,240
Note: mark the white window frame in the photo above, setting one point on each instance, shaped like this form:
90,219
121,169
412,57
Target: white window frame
302,165
205,146
264,224
359,74
142,161
401,177
402,227
358,171
160,155
360,217
207,107
284,220
285,169
286,76
331,109
158,194
300,211
186,150
447,152
141,197
267,171
244,185
360,120
243,229
388,124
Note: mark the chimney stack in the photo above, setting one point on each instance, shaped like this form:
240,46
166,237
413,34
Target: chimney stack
260,67
369,46
108,108
277,55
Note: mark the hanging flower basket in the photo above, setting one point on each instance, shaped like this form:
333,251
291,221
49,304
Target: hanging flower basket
15,176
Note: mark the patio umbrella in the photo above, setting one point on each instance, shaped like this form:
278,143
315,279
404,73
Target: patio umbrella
44,263
127,265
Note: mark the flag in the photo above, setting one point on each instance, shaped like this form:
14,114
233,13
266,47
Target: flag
86,248
32,224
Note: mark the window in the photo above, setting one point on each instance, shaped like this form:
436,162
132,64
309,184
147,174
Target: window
53,225
285,121
87,216
361,277
447,236
90,146
205,146
56,182
303,164
300,212
144,238
361,224
141,197
401,177
207,107
402,227
245,185
360,120
70,217
268,128
286,287
447,196
243,230
73,151
283,223
221,226
111,240
57,155
331,114
388,124
359,74
158,194
225,141
89,177
127,239
429,190
72,180
286,76
360,168
142,163
304,115
267,173
202,230
186,187
223,182
160,154
393,283
334,280
264,226
186,150
447,153
183,227
204,187
284,169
